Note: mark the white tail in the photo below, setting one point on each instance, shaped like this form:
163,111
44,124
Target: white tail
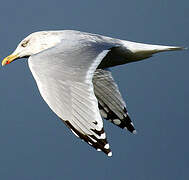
150,48
141,51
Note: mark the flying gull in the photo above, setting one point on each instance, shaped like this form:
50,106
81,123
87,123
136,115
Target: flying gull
70,69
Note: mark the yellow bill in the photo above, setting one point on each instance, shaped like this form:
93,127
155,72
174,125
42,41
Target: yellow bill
9,59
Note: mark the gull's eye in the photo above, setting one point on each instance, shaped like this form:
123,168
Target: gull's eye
24,44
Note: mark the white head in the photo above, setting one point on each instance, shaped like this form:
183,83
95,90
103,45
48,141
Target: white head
33,44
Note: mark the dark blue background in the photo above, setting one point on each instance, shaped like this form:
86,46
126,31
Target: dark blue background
35,144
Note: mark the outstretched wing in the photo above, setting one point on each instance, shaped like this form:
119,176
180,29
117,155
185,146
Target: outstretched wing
110,102
64,78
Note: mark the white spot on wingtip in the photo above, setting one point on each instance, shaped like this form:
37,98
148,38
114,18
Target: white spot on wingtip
110,154
134,132
107,146
98,149
116,121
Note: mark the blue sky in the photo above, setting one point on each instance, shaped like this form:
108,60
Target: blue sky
35,144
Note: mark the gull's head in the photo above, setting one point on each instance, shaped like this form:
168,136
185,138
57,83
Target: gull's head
33,44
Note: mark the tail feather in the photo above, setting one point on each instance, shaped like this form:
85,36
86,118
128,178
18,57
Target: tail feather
159,48
141,49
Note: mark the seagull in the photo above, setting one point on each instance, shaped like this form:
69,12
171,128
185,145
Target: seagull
71,69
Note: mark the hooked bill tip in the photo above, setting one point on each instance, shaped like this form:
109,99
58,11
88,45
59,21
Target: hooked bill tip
9,59
5,63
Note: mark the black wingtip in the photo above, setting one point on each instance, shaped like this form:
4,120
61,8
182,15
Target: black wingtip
100,144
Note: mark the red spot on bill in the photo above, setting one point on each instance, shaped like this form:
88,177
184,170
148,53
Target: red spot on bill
8,62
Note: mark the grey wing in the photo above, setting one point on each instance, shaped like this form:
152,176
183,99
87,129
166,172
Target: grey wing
110,102
64,78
